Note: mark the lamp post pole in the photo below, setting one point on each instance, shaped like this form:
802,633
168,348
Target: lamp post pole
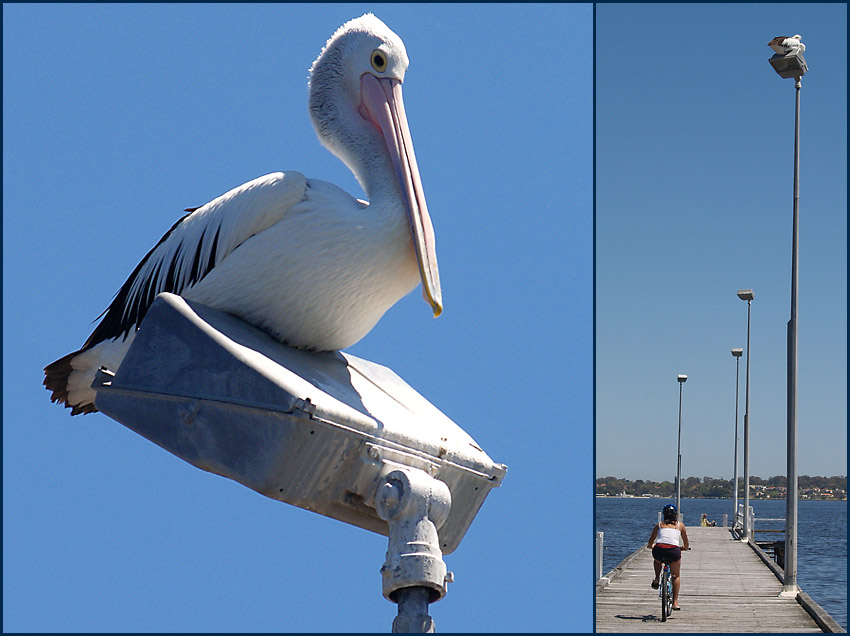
792,65
681,380
747,294
737,353
790,578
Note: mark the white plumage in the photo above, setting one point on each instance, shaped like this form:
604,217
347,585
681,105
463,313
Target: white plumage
783,44
300,258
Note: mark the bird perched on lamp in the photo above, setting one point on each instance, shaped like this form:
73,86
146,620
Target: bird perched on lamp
783,44
297,257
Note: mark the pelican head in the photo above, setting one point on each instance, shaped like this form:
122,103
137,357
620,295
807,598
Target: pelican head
357,110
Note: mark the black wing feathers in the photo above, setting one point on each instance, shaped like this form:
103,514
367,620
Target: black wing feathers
118,319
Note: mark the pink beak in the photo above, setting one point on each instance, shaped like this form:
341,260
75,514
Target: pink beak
381,99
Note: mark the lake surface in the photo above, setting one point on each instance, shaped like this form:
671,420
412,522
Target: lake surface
821,538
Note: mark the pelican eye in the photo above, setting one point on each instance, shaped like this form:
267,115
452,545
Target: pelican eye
379,60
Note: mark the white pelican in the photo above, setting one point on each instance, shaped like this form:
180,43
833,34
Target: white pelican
783,45
300,258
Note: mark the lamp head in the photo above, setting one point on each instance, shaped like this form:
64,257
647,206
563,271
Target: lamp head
681,378
737,352
745,294
792,65
293,425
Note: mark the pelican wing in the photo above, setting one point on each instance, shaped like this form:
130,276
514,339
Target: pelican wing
196,244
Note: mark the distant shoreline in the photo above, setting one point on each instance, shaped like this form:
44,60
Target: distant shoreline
809,488
722,498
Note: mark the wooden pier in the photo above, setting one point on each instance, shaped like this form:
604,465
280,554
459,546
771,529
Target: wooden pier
726,587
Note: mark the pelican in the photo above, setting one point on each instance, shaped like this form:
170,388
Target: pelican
299,258
783,44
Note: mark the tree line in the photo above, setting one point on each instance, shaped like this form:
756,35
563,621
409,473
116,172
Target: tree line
709,487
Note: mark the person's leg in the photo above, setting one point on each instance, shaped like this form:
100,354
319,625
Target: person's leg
657,564
675,567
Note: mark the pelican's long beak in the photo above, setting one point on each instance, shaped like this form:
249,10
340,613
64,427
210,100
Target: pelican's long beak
381,98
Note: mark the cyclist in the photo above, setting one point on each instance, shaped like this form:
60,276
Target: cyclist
667,540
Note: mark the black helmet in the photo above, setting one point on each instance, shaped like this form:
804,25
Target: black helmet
669,511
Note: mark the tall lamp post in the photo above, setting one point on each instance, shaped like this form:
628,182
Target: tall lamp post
737,353
792,65
681,379
747,294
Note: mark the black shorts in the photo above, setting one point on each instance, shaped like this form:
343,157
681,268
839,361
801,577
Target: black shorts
667,554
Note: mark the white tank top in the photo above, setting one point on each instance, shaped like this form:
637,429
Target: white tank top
670,536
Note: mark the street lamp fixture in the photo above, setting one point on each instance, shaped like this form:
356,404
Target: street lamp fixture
681,380
746,294
737,353
789,66
294,426
792,65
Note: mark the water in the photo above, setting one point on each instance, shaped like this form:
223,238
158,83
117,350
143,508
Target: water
821,538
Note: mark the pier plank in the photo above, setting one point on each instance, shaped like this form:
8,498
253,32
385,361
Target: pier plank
725,588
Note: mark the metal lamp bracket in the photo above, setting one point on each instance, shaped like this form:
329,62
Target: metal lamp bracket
414,505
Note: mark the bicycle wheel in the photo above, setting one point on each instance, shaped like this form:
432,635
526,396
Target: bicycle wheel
666,596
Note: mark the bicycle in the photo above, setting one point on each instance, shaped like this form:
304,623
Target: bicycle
665,590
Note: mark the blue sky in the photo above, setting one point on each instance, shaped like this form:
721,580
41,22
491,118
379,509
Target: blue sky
116,118
694,159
